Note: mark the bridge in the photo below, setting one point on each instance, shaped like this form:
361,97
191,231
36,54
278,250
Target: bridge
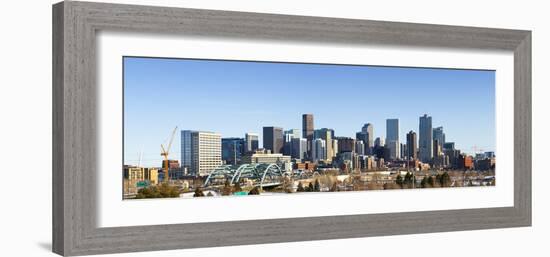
263,175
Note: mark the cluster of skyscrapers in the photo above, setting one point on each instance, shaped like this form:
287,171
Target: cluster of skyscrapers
202,152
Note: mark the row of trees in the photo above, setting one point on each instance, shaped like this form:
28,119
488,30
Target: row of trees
160,191
312,187
316,187
409,181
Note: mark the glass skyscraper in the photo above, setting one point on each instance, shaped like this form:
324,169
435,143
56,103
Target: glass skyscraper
232,150
186,149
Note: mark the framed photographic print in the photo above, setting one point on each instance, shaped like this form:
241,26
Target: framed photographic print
180,128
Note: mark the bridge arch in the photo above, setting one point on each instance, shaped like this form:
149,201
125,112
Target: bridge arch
263,173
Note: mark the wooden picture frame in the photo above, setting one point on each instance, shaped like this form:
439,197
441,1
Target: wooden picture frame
75,25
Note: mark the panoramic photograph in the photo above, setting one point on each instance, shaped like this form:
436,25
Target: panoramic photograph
224,128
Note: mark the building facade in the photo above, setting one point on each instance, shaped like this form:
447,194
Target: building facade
360,147
448,146
318,150
251,142
273,139
232,150
368,129
307,131
186,149
392,139
412,146
265,156
288,136
393,150
326,135
207,152
346,144
425,142
361,137
439,135
299,148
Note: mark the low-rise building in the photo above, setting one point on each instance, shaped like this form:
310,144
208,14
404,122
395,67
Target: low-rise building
265,156
485,164
136,174
304,166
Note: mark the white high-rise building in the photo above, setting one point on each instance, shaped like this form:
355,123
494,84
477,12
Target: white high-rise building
425,141
318,149
207,152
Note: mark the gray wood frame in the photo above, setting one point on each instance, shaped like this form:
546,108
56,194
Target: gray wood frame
74,126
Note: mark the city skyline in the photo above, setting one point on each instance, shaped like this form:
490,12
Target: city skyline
163,93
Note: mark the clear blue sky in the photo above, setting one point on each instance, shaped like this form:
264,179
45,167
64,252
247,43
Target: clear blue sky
231,98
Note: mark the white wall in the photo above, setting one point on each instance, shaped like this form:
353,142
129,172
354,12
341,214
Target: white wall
25,131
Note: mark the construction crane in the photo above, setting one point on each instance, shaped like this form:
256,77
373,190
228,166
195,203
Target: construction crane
165,151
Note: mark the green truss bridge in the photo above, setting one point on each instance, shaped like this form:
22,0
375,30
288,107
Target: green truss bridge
261,174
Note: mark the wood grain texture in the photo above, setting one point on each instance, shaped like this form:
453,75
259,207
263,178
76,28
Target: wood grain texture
58,230
74,126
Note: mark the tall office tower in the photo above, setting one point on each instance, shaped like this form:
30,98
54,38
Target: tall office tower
294,133
438,156
437,150
345,144
392,130
369,130
251,142
288,136
335,146
393,150
412,146
439,136
307,130
361,136
392,138
425,142
206,152
186,150
318,150
273,139
326,134
360,147
299,148
232,150
448,146
378,142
